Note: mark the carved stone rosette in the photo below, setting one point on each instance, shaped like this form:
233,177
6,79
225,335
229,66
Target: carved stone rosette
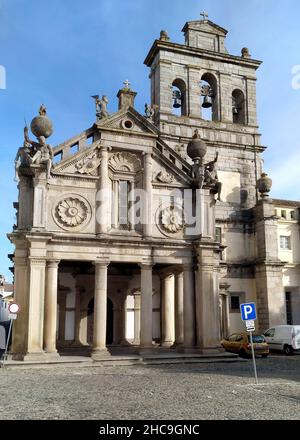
72,212
172,220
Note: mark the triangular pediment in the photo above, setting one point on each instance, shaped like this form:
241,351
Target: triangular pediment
128,121
205,26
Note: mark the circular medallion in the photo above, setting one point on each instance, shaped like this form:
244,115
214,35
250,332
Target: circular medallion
170,220
72,212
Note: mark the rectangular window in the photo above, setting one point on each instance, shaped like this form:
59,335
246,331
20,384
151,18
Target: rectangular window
219,235
235,303
285,242
293,215
236,299
123,204
283,214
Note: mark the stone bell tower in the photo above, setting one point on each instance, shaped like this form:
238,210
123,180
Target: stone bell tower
199,85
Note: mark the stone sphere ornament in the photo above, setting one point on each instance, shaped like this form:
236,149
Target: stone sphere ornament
41,125
196,148
264,185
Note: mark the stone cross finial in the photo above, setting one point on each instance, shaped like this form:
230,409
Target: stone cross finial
126,84
204,15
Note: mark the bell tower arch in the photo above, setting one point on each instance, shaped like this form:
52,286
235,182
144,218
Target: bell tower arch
203,55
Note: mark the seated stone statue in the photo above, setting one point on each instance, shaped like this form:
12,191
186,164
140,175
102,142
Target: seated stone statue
198,174
43,155
24,155
211,176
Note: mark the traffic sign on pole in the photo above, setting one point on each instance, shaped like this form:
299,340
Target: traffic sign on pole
248,312
250,326
13,308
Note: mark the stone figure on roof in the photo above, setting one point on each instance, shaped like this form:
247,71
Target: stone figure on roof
211,176
24,155
101,106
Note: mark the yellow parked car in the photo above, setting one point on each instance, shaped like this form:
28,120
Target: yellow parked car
240,343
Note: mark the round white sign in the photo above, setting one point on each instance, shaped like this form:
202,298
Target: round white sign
14,308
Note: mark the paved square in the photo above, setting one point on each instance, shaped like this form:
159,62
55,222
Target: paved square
191,391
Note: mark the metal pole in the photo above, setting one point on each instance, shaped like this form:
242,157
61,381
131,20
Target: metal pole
7,342
253,357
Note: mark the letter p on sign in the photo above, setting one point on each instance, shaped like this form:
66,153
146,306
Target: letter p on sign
248,312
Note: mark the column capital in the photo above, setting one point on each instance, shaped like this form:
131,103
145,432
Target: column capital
188,267
53,263
101,262
103,148
146,266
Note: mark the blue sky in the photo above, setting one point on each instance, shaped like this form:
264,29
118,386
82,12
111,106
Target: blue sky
60,52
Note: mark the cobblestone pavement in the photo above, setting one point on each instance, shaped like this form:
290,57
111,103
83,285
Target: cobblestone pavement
189,391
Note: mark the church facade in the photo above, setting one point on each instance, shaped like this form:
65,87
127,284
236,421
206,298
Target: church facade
146,232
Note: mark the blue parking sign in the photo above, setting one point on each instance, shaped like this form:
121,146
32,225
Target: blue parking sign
248,312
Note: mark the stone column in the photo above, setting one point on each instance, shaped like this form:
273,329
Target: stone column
35,300
100,305
168,310
62,318
77,316
137,318
123,319
148,189
146,306
20,326
207,301
189,307
50,323
104,194
225,318
179,323
83,326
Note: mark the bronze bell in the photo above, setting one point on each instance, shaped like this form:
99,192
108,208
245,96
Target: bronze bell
207,102
177,99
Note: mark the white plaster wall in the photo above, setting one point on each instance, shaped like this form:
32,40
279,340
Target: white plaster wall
292,230
231,186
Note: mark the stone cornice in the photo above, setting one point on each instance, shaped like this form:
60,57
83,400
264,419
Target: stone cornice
203,53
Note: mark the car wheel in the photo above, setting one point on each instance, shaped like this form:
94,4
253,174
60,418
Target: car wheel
288,350
264,355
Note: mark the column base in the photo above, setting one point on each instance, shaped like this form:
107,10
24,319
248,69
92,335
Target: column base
30,357
125,343
167,344
52,356
98,355
177,345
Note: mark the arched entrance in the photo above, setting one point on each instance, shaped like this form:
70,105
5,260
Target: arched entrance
109,322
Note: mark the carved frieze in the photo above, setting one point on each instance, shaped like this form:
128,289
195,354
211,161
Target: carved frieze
164,177
89,163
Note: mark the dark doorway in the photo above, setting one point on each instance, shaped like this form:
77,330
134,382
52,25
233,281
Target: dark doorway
109,322
288,303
